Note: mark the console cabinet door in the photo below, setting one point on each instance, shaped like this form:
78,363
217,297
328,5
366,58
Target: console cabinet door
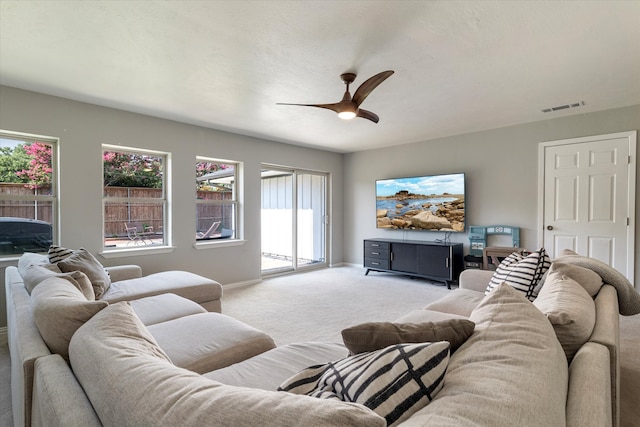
434,261
404,257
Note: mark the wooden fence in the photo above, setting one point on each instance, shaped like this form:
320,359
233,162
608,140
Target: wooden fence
42,211
116,214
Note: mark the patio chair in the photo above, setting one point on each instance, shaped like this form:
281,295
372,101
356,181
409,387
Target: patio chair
209,232
132,233
138,237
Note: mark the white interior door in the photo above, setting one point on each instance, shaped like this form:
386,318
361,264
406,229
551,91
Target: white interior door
588,192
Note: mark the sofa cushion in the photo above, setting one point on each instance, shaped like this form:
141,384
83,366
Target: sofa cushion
82,260
588,279
208,341
394,382
183,283
374,336
570,310
521,272
511,371
29,259
145,389
270,369
458,301
36,274
164,307
424,315
59,309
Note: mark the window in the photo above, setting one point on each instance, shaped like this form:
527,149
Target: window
135,201
28,193
216,199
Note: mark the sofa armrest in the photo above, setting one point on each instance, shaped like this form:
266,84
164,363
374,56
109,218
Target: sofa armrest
607,332
474,279
589,393
124,272
58,398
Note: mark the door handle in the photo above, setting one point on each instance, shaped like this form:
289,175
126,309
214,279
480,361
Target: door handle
549,227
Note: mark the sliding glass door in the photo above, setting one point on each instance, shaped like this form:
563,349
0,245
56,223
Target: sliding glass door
294,219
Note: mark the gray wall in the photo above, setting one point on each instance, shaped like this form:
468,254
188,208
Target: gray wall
501,168
82,128
501,176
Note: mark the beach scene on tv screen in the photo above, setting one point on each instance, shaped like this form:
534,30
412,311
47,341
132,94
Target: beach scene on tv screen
432,203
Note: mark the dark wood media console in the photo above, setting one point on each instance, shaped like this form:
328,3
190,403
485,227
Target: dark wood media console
442,262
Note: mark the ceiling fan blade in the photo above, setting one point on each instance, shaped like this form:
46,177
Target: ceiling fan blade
368,115
332,107
369,85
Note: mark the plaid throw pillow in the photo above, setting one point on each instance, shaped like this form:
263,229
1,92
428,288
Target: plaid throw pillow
521,272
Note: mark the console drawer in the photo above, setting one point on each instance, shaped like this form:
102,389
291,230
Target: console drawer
376,245
381,254
376,263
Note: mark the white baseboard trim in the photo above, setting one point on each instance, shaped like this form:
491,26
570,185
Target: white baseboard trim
284,273
241,284
350,264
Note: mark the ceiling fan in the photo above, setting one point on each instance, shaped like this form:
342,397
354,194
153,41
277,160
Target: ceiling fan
349,107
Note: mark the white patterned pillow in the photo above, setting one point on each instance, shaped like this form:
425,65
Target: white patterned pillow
58,253
521,272
394,382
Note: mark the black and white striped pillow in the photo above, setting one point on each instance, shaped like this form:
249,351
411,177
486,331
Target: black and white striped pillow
58,253
521,272
394,382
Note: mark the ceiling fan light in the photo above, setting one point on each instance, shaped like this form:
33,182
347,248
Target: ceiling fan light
347,115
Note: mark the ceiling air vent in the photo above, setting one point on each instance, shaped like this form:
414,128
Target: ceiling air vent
563,107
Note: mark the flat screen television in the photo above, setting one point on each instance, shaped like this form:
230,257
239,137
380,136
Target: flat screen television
423,203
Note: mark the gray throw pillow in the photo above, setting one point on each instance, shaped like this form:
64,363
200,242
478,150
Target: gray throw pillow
374,336
30,259
589,279
37,274
82,260
59,309
570,309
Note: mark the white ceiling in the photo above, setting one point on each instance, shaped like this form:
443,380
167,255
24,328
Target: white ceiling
460,66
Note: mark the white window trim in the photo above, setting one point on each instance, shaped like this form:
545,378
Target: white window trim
236,201
55,182
167,247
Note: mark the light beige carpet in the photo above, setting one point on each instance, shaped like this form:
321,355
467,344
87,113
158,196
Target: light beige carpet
316,306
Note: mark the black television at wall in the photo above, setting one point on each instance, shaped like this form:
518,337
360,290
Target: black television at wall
422,203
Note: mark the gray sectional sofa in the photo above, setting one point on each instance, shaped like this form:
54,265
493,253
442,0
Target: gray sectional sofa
164,360
180,308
